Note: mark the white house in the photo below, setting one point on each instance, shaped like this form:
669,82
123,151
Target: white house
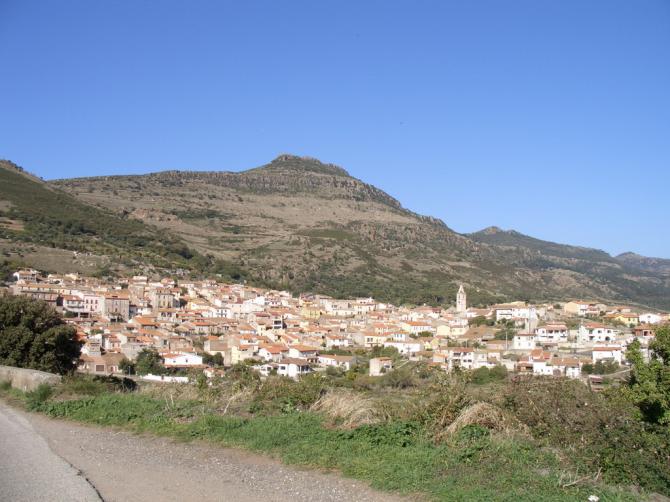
293,367
343,362
409,347
336,341
416,327
513,311
597,333
460,357
566,366
650,318
611,353
182,360
523,341
380,365
552,333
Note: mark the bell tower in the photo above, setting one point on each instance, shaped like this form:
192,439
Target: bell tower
461,301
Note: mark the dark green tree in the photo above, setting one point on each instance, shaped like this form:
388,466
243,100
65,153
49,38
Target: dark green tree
149,361
33,335
213,359
126,366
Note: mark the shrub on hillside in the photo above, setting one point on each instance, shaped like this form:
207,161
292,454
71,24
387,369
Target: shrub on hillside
600,432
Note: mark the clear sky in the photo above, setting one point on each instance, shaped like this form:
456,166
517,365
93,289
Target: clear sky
549,117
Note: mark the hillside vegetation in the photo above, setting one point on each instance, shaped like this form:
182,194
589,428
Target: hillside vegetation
303,225
36,216
418,432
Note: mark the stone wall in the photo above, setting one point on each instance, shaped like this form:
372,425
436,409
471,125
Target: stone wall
25,379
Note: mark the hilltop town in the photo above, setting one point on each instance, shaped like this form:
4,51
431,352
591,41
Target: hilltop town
209,326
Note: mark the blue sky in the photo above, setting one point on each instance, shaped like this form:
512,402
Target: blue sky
549,117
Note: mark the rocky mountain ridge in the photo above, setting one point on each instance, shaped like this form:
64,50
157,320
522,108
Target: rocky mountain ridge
301,224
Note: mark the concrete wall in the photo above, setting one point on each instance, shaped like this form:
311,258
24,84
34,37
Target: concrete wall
26,380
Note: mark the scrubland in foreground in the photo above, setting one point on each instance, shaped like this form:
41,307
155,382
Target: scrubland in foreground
427,433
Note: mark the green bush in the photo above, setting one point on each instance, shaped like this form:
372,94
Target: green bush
279,393
484,375
598,431
39,396
94,385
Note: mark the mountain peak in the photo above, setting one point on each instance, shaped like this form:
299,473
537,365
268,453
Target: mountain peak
492,230
295,162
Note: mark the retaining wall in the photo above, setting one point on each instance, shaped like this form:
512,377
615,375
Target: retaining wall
25,379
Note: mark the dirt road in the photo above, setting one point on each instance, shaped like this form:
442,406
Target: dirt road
122,466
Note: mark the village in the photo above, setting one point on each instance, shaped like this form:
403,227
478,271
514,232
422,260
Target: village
209,326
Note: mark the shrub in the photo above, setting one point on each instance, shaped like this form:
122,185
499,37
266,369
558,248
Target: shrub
39,396
284,394
95,385
440,404
485,375
597,431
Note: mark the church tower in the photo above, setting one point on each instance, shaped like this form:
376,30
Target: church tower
461,301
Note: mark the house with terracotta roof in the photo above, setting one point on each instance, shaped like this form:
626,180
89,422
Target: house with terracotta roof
105,364
552,333
344,362
293,367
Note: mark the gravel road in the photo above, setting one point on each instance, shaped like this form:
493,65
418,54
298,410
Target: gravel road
123,466
30,470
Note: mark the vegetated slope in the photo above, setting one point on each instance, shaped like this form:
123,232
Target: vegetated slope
628,280
512,238
304,225
34,213
659,266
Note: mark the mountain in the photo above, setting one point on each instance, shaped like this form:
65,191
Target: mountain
304,225
512,238
43,226
658,266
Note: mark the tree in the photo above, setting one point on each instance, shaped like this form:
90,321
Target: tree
33,335
649,383
212,359
149,361
481,320
126,366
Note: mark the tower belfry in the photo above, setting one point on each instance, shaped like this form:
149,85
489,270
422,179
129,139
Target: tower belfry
461,300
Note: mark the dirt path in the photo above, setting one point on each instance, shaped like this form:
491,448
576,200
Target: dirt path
123,466
30,470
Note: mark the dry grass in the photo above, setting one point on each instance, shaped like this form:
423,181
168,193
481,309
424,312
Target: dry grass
350,409
222,398
485,415
170,392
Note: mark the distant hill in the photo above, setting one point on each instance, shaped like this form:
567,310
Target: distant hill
304,225
33,213
658,266
512,238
